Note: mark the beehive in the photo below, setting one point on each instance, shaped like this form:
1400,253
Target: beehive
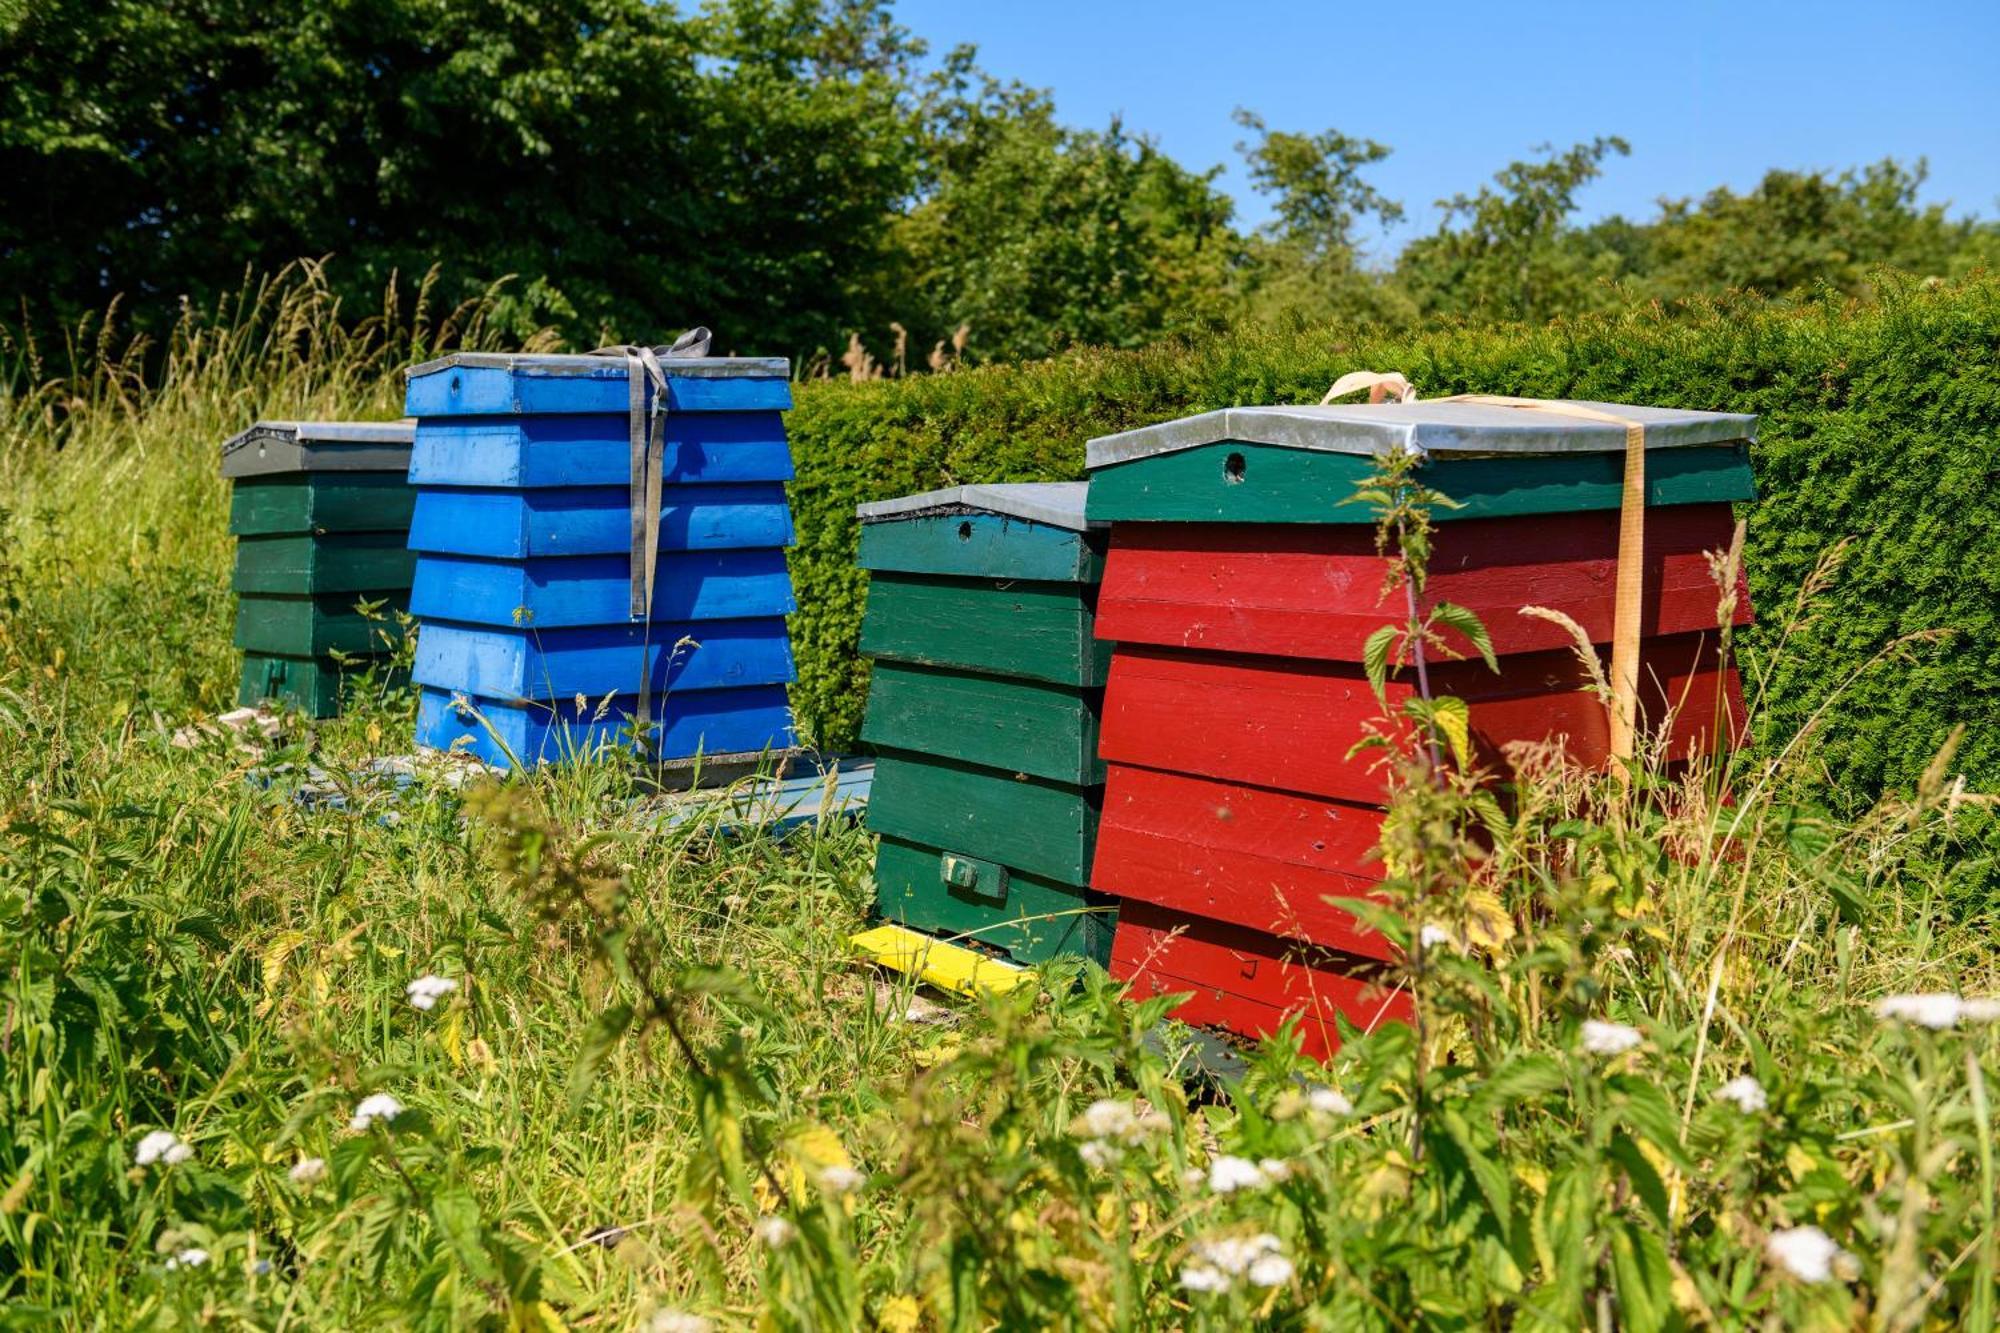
984,709
527,555
1240,589
320,511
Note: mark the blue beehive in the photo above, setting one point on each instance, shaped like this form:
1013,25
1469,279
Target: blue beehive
536,635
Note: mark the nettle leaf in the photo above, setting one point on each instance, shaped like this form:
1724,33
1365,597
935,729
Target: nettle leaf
1467,622
1448,717
1385,920
600,1039
1520,1079
1375,661
1643,1277
1646,1182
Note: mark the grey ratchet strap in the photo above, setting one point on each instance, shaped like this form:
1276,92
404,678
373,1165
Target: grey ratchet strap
646,432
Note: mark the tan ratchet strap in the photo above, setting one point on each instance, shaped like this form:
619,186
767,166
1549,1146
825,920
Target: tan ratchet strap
1629,604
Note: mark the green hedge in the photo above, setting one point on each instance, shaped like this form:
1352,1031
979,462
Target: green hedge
1880,423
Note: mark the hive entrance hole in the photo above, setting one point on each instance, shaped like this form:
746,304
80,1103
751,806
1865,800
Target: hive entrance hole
965,532
1233,468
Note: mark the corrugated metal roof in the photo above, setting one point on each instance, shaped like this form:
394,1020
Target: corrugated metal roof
609,367
319,446
1056,503
1437,427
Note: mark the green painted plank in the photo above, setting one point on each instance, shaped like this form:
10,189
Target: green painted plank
1044,829
1045,731
308,566
1035,920
321,502
1267,483
1041,631
315,626
311,684
986,546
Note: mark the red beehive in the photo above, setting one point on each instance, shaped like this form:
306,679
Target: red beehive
1239,592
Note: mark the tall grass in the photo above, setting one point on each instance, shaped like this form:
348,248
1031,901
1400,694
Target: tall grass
188,952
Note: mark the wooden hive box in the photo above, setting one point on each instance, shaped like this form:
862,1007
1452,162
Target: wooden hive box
1240,590
528,645
983,706
321,514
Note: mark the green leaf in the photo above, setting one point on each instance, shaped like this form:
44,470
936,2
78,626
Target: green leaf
1517,1080
600,1039
1375,661
458,1221
1467,622
1646,1182
1488,1174
1644,1106
1643,1278
1448,717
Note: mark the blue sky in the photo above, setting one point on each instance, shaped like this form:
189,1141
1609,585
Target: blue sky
1706,93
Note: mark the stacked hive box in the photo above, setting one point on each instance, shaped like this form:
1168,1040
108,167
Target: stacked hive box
527,555
320,511
1239,591
983,706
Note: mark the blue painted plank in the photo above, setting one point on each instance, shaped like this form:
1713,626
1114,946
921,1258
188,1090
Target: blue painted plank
596,520
699,722
514,664
454,391
556,592
594,450
781,806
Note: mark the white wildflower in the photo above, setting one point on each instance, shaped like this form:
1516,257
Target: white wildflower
1129,1121
1807,1253
1106,1119
1236,1254
1329,1101
1601,1038
161,1146
1746,1092
1937,1011
1270,1270
840,1179
378,1107
427,990
1273,1169
1930,1011
776,1232
1099,1153
308,1170
1432,936
1193,1176
1228,1174
192,1257
1204,1277
677,1321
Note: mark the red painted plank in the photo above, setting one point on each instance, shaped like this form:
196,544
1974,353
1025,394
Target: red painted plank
1245,981
1288,724
1264,859
1314,590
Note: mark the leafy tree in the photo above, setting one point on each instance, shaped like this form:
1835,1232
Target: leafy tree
1307,259
639,169
1508,252
1797,229
1042,237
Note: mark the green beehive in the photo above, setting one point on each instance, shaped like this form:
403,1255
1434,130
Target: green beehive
321,515
983,709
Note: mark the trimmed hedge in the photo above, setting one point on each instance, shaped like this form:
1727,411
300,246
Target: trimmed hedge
1880,423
